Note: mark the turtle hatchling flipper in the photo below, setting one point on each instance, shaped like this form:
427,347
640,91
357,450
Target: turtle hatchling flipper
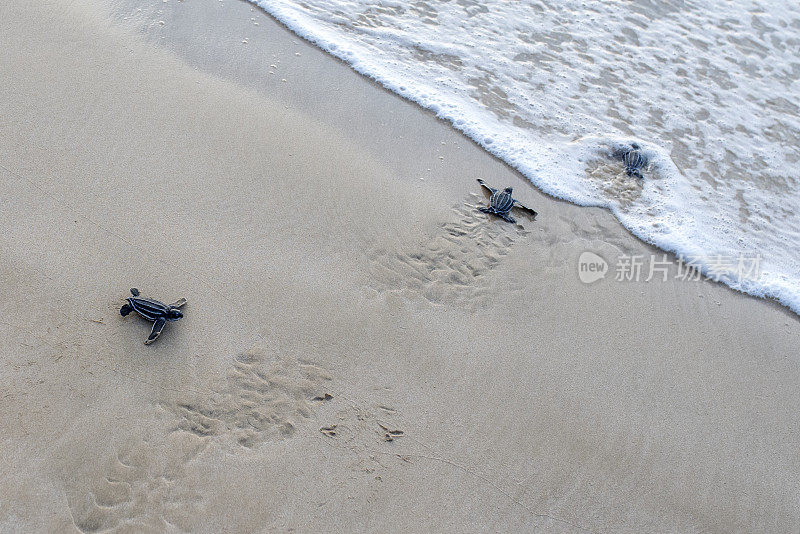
485,210
485,186
506,217
125,309
158,326
178,303
134,292
527,209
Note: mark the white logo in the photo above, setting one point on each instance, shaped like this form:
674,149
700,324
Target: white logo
591,267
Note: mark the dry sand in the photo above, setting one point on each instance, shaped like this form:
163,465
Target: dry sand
362,350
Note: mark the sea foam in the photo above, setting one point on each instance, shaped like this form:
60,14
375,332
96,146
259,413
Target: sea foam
708,90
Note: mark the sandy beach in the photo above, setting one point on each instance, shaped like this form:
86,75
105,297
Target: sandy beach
362,350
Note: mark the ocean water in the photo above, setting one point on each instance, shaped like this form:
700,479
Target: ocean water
708,89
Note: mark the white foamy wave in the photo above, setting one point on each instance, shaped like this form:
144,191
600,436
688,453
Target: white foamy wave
708,89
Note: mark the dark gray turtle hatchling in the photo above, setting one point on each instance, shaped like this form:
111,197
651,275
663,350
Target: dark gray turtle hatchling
152,310
634,161
501,202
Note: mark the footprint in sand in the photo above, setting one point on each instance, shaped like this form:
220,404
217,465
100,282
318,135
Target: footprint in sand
451,268
368,433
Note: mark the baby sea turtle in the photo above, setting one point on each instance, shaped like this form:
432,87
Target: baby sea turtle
152,310
634,160
501,203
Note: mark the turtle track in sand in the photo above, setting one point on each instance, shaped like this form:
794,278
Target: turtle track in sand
149,483
451,268
139,488
258,400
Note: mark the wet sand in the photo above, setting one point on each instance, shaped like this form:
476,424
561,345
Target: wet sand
362,349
